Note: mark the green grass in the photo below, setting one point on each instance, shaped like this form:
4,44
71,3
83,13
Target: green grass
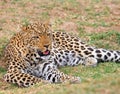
3,42
25,21
101,78
91,14
106,39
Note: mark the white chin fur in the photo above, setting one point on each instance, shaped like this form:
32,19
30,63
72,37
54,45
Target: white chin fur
45,57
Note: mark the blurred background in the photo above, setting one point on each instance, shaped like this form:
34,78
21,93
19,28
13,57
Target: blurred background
74,16
95,21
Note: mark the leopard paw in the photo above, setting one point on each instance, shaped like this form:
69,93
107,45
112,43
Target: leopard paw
75,80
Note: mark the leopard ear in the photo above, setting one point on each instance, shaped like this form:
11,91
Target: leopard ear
24,28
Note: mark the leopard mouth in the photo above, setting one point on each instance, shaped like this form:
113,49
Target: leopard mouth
45,53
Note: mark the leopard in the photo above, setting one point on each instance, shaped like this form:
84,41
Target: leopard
27,58
36,53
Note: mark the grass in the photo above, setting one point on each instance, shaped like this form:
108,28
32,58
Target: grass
106,39
96,24
3,42
99,79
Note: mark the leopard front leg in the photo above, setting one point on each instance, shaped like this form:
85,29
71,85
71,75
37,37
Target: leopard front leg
21,79
55,76
48,71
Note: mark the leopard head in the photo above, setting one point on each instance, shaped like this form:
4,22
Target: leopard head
40,37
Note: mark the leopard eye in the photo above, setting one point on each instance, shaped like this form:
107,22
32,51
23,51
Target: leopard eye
48,34
35,37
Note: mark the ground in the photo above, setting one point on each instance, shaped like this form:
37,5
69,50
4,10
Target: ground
95,21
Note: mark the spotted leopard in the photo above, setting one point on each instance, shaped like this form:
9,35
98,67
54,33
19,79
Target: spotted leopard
36,53
26,56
